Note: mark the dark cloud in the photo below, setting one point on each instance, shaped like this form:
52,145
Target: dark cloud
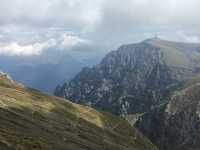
132,20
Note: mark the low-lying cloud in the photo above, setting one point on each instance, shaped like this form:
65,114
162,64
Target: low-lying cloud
62,42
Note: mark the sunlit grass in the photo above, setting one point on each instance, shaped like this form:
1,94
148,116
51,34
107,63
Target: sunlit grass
35,121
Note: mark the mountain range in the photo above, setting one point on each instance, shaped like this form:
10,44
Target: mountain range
142,96
135,78
154,84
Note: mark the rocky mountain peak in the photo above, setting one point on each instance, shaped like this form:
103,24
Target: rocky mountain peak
153,39
134,78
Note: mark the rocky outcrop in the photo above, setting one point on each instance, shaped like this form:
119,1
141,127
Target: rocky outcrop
135,78
6,80
176,124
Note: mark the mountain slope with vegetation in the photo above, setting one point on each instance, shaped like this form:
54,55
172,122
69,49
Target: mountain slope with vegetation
30,120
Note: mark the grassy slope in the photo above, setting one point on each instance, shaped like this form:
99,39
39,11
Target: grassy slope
30,120
178,54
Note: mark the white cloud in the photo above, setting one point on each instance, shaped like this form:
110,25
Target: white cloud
15,48
35,44
79,14
188,37
177,12
69,40
72,14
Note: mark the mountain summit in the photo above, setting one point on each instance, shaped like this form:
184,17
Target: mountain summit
136,77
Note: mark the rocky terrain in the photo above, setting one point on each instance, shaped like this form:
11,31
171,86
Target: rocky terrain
30,120
176,124
135,78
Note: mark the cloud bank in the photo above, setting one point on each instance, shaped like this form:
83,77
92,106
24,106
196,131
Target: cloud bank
29,27
61,42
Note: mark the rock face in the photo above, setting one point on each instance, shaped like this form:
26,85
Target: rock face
175,125
30,120
7,81
135,78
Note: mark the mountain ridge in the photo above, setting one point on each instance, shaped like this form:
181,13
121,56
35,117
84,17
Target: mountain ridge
32,120
135,77
175,125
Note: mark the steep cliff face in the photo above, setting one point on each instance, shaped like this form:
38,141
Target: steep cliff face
30,120
135,78
175,125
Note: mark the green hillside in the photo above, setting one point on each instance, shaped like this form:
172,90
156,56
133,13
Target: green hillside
30,120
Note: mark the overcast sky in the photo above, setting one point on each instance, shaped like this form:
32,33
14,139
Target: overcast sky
27,27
